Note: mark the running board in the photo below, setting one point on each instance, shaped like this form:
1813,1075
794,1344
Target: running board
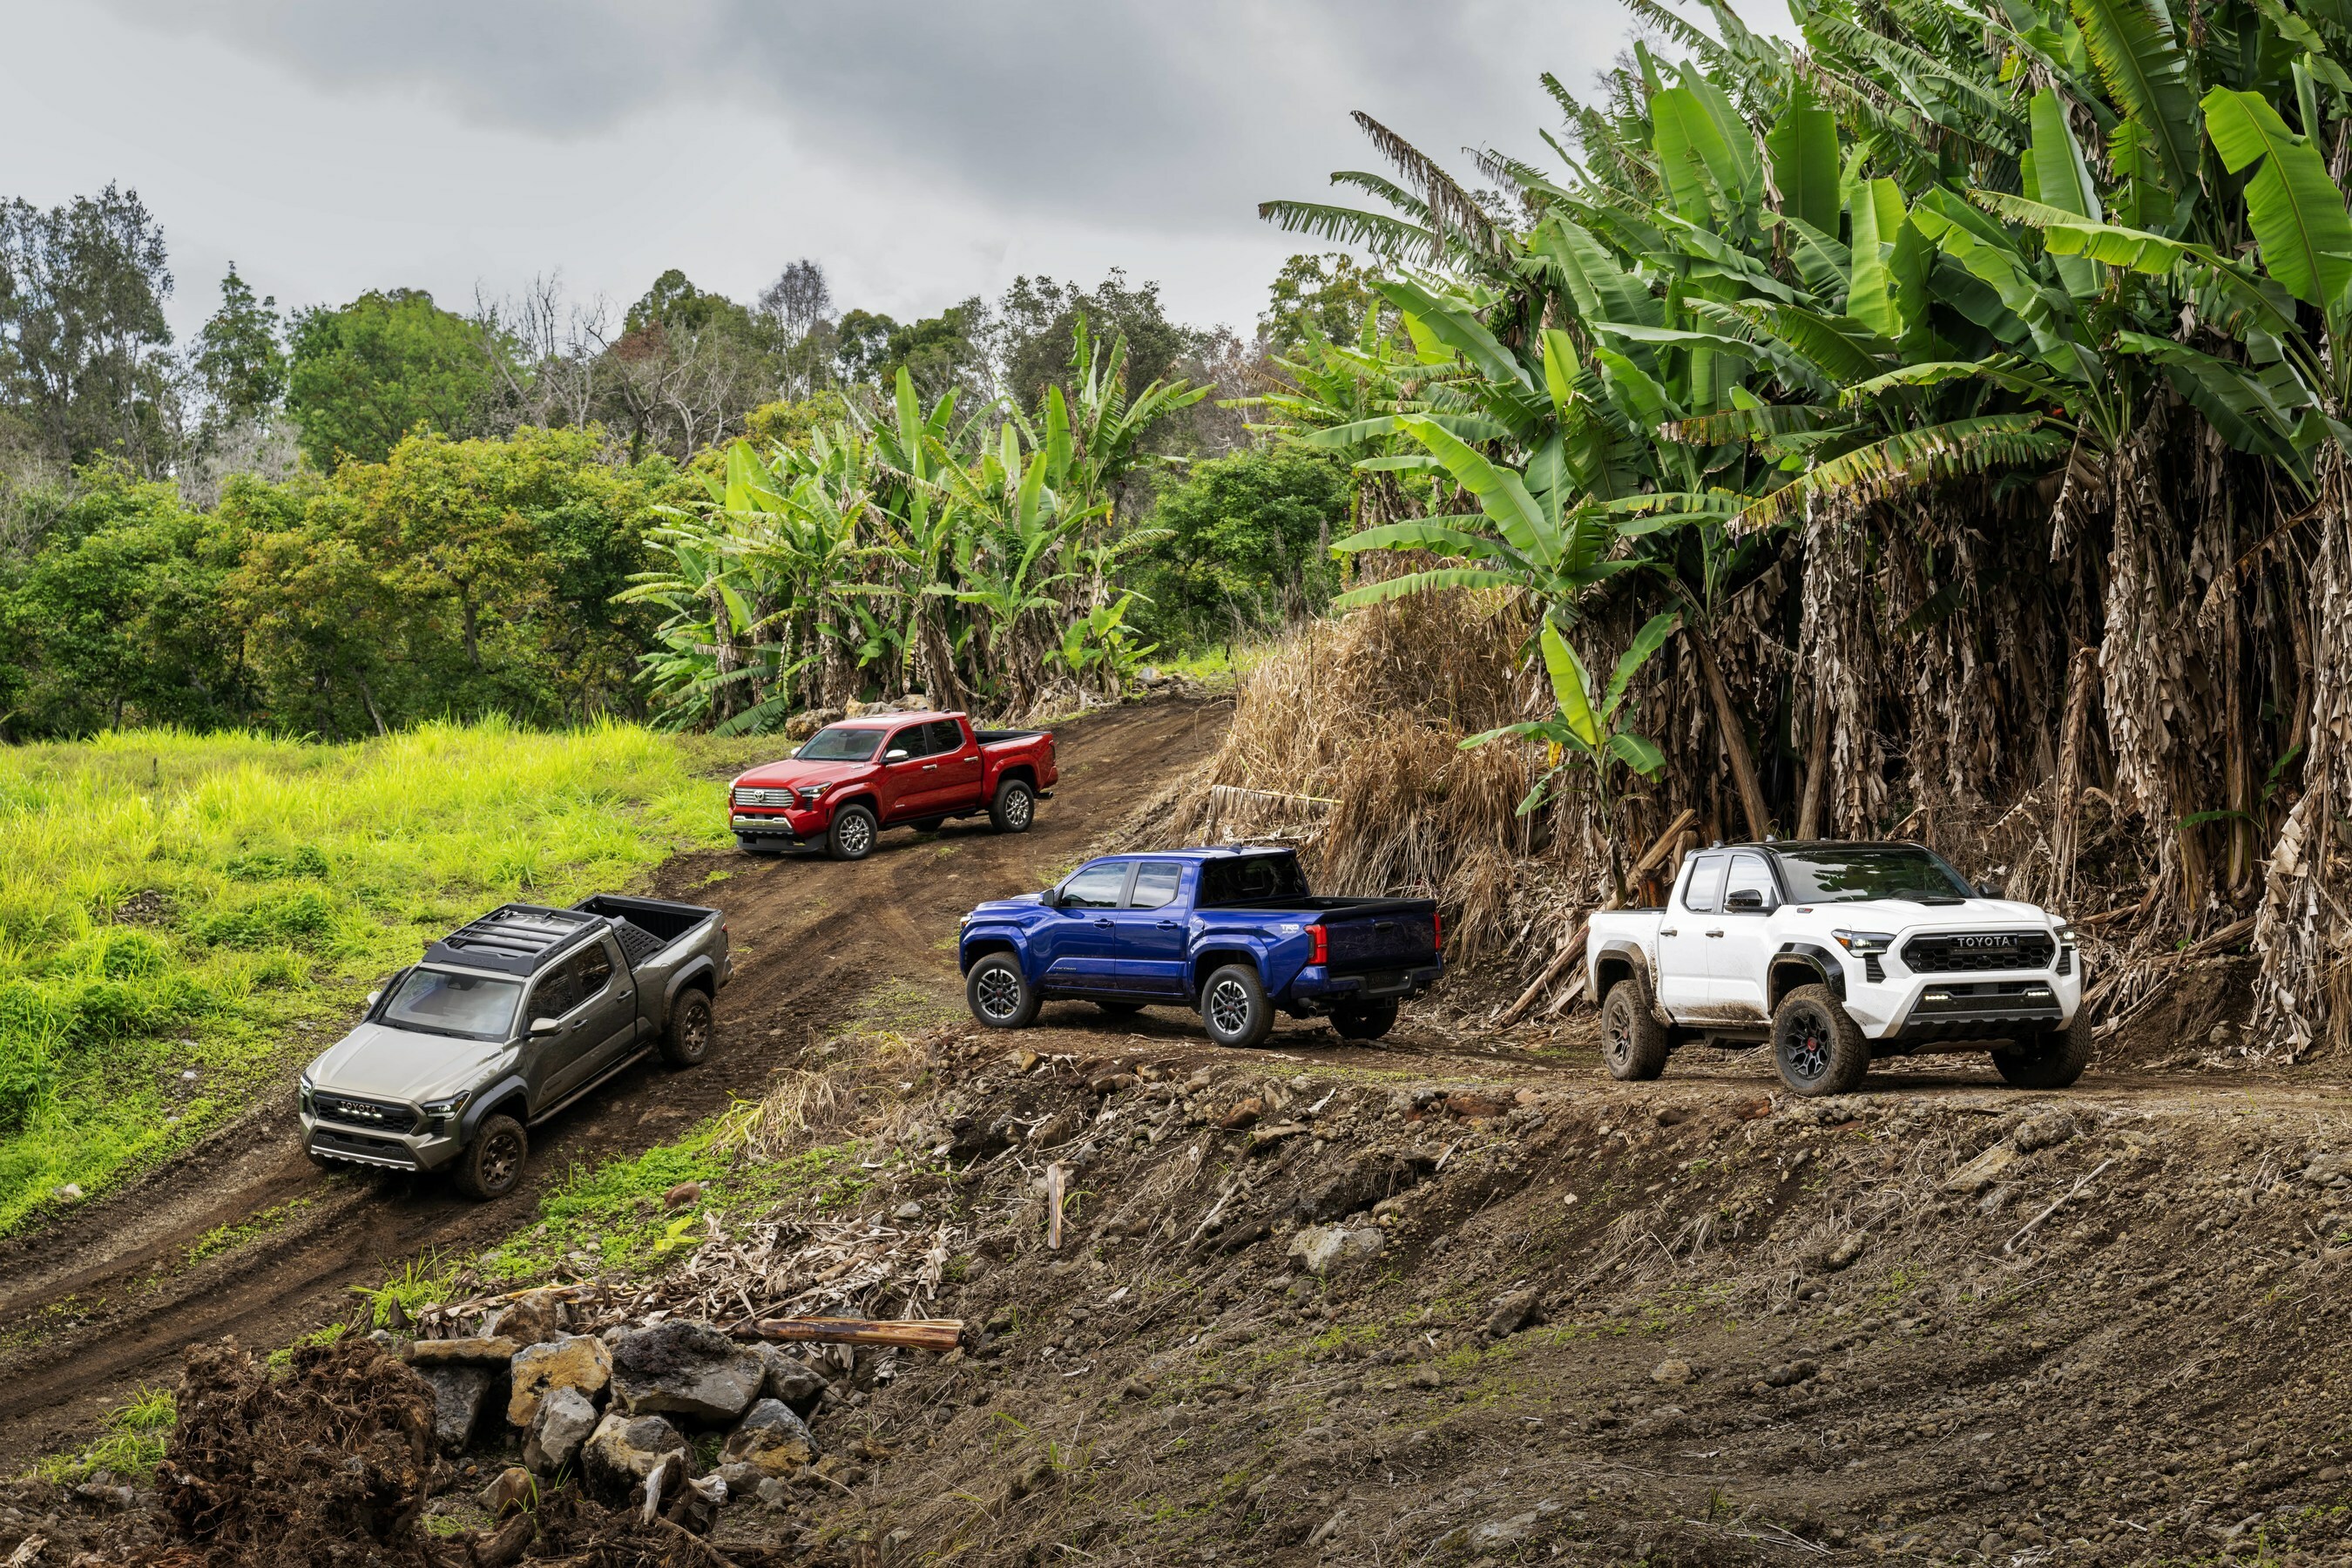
594,1084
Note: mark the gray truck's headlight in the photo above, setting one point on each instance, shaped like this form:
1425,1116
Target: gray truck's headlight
306,1092
1864,943
446,1110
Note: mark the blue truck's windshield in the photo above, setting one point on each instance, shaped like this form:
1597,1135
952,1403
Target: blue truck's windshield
438,1002
1251,879
1849,875
840,745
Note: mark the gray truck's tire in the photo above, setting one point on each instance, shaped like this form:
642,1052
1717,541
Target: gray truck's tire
491,1165
1365,1023
1015,808
1234,1007
852,835
1816,1044
1633,1043
686,1039
998,994
2053,1061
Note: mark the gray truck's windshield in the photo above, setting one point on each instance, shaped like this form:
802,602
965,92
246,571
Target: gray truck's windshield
840,745
1846,876
436,1002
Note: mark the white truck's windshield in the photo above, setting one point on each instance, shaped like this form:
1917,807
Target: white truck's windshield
1846,876
438,1002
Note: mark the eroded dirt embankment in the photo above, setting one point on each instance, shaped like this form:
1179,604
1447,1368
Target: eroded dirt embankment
108,1298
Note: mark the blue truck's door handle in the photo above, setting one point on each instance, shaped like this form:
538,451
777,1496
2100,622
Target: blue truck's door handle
1105,923
1170,925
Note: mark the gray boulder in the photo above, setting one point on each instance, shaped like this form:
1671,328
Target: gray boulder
623,1449
566,1416
686,1369
461,1392
771,1440
790,1379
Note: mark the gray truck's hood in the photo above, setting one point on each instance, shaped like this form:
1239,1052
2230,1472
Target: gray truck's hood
1908,914
396,1064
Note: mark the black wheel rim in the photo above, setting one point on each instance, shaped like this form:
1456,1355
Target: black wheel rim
1016,809
1000,994
855,835
1229,1007
501,1159
694,1031
1620,1037
1805,1051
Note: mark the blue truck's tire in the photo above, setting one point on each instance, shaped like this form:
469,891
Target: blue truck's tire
1365,1023
998,994
1015,808
686,1039
1816,1044
1633,1043
2053,1061
491,1165
852,835
1234,1006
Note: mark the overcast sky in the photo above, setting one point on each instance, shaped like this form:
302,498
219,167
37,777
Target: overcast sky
921,150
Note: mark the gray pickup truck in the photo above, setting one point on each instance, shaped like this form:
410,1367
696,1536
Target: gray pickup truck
505,1023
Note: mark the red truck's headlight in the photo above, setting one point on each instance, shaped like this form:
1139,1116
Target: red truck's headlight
1318,948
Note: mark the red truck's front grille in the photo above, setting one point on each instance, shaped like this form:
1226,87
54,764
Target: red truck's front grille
766,798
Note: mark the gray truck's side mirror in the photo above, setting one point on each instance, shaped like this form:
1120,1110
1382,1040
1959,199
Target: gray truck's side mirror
375,997
541,1027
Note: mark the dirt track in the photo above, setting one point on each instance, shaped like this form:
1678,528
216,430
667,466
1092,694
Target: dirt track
106,1299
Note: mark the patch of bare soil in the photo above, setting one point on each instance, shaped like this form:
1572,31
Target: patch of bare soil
107,1298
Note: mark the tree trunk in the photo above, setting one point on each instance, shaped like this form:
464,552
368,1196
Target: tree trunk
1734,734
2070,772
1817,763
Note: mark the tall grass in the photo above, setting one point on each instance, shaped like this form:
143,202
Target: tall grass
176,904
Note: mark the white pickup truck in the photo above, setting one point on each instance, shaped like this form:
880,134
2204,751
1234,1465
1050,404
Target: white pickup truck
1837,953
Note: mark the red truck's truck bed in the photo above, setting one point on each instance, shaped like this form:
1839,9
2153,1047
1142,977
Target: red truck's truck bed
853,779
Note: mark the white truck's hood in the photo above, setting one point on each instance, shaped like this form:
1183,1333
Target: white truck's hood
1910,915
380,1063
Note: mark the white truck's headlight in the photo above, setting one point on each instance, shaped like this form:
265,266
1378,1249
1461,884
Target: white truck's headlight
1864,943
2066,933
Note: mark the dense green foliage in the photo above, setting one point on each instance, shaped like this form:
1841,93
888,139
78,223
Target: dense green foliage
1247,545
174,906
367,374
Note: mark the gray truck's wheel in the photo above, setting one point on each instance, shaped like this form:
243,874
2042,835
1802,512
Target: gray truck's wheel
1816,1044
851,837
1633,1042
1015,808
491,1165
998,994
1365,1023
2053,1061
1234,1006
686,1038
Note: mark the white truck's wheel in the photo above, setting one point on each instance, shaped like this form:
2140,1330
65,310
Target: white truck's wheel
2053,1061
1633,1042
1816,1044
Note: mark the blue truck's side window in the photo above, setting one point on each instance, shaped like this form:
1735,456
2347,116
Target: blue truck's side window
1156,883
1095,888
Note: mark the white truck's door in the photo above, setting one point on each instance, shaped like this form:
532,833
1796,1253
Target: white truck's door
1737,960
1684,985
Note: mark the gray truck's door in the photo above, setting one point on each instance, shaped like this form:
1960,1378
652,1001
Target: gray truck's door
600,1022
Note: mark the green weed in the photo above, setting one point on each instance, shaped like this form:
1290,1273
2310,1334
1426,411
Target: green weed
133,1443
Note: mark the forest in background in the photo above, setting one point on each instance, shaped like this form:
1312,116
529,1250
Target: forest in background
695,511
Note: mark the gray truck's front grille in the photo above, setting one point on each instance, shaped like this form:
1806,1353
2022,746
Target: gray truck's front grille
376,1116
766,798
1962,952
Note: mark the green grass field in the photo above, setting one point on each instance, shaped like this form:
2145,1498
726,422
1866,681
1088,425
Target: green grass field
184,919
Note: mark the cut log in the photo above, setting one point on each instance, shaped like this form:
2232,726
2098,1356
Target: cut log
916,1333
1057,1177
1573,949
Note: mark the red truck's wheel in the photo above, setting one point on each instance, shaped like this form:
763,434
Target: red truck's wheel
998,994
1234,1006
1015,808
851,837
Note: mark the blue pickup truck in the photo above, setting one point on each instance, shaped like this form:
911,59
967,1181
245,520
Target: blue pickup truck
1232,933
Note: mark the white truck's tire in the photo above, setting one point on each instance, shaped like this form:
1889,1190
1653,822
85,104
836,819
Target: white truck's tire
1816,1044
2053,1061
1633,1042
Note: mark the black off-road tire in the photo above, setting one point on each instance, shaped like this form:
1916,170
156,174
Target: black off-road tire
1120,1009
2053,1061
1234,1006
1369,1022
686,1039
491,1165
852,835
1633,1043
1015,808
1816,1044
998,994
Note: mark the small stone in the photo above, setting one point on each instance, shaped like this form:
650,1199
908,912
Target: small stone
1425,1377
515,1487
1024,1061
575,1361
623,1449
771,1440
1244,1115
1112,1083
566,1416
67,1192
685,1368
790,1379
2042,1133
461,1390
1323,1247
1511,1314
685,1192
1788,1374
774,1493
483,1349
1841,1256
1473,1107
907,1210
531,1318
1674,1369
1979,1172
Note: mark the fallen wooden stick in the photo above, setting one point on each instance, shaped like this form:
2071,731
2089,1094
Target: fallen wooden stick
1057,1178
2236,930
1573,949
916,1333
2007,1245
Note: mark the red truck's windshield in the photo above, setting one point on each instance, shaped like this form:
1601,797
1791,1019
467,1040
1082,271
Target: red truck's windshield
840,745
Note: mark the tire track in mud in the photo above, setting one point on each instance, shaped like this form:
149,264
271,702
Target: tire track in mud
106,1299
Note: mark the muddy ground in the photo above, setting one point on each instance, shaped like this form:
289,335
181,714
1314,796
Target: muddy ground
1689,1321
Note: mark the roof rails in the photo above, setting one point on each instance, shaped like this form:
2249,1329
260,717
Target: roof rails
513,939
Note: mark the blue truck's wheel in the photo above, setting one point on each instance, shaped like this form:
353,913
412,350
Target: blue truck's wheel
998,994
1234,1006
1366,1022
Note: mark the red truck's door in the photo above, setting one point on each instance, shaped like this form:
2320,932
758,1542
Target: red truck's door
907,773
957,781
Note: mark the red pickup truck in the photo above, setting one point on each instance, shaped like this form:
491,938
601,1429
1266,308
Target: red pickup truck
853,779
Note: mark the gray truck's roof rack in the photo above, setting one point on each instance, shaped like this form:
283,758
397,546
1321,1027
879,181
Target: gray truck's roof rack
513,939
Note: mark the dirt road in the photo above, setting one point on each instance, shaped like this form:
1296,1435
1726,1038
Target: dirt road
109,1298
